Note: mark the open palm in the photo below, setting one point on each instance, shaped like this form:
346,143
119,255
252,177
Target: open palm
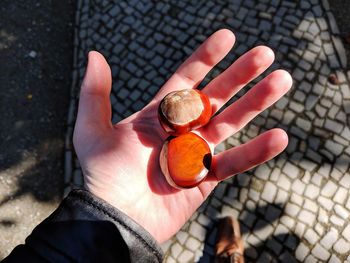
120,162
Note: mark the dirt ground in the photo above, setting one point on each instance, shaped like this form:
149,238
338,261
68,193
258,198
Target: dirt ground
36,62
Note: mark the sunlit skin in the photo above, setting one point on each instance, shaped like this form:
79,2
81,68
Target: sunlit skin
120,162
195,102
188,160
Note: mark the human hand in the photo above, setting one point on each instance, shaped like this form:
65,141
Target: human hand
120,162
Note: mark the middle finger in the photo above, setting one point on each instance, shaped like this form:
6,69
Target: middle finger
240,73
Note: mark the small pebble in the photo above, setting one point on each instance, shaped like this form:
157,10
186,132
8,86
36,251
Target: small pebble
32,54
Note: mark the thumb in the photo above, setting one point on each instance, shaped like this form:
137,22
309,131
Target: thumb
94,112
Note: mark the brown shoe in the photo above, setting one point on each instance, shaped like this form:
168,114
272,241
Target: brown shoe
229,244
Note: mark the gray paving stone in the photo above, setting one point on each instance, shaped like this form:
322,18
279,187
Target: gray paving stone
263,232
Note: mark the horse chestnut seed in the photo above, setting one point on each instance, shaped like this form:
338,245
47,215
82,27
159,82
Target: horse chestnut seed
184,110
185,160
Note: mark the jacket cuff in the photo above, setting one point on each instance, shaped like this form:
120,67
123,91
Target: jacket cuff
83,205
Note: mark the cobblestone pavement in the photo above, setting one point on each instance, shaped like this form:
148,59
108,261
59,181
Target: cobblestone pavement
297,206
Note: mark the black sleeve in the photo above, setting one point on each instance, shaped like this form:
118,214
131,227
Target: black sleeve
85,228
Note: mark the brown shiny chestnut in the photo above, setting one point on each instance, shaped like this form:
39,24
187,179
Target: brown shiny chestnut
185,160
184,110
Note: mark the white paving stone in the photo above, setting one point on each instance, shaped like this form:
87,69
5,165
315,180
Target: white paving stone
197,230
269,192
312,191
325,203
340,195
280,230
311,236
264,232
287,221
292,209
336,220
319,252
310,205
319,229
282,197
254,195
330,238
291,170
342,246
341,211
325,169
346,232
310,259
329,189
193,244
334,259
297,199
253,240
307,217
186,256
317,179
275,174
336,174
322,216
176,250
348,204
283,182
345,181
298,187
301,252
263,172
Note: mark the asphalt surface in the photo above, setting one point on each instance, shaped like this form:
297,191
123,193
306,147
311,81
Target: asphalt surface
36,40
340,10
